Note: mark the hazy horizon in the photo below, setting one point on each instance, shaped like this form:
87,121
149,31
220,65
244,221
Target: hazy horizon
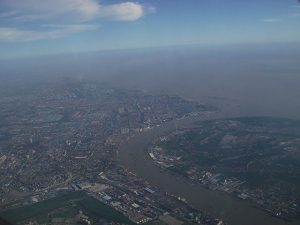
255,79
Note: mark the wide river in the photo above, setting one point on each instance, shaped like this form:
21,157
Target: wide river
132,154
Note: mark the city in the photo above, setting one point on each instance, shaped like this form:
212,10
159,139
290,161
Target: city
125,112
64,138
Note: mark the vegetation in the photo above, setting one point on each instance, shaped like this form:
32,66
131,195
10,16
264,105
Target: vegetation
96,209
66,206
40,208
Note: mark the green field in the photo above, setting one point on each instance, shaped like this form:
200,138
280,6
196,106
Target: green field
96,209
66,206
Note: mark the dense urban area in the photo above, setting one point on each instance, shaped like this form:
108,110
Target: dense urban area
152,112
58,147
255,159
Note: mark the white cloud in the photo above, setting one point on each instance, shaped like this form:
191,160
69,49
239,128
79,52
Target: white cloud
37,13
8,34
128,11
67,11
52,9
272,20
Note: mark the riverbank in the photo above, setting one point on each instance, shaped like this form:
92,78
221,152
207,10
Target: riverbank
234,211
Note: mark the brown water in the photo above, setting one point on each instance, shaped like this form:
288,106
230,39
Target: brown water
234,211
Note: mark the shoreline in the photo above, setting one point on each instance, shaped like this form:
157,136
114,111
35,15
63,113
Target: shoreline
232,210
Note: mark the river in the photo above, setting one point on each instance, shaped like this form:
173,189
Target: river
133,155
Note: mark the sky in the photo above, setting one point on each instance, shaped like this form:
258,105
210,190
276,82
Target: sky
44,27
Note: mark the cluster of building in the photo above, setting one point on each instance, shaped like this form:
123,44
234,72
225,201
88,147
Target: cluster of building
63,136
133,197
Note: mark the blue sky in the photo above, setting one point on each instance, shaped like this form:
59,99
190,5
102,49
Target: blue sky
42,27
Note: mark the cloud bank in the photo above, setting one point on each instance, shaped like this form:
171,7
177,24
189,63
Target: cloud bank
82,13
8,34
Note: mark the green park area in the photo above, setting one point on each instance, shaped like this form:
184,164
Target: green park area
65,209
